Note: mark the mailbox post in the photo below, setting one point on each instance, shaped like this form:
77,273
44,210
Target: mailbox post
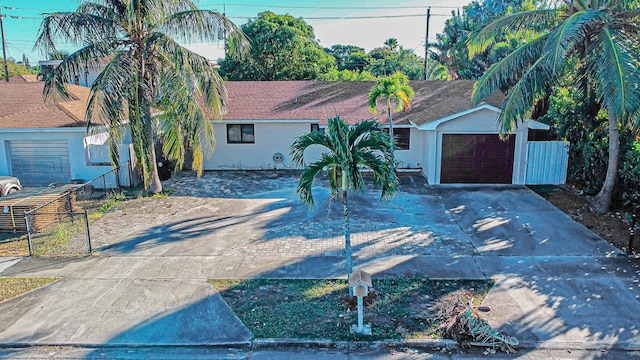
359,284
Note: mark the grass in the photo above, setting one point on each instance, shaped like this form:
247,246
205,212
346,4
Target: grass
63,239
12,287
14,244
399,308
111,201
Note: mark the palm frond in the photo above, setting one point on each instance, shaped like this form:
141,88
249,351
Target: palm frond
185,125
75,28
517,106
112,91
570,32
480,41
205,26
508,69
309,174
615,67
302,143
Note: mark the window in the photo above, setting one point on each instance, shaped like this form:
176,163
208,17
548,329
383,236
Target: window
402,138
240,134
316,127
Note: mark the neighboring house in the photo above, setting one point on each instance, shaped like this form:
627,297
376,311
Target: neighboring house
49,143
443,136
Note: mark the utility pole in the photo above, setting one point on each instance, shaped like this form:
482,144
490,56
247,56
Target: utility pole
4,49
426,45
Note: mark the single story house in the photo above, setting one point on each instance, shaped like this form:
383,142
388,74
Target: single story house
49,143
443,136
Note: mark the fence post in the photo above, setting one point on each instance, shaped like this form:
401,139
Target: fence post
86,221
26,221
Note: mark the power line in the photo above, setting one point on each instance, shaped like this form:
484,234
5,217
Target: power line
333,7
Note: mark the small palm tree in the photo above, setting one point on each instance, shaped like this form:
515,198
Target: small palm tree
350,149
146,69
394,88
601,37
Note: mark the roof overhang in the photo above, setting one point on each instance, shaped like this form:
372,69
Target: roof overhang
531,124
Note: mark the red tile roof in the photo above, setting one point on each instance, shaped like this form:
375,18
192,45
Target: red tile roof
22,106
319,100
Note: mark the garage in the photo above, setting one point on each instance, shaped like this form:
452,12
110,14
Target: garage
40,163
477,158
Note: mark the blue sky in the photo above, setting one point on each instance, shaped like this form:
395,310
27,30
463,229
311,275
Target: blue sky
362,23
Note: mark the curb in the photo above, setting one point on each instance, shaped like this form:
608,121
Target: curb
261,344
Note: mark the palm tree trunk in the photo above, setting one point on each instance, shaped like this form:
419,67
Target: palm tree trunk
391,138
602,201
156,185
345,224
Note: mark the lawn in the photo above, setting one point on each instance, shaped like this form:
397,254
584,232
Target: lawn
399,308
12,287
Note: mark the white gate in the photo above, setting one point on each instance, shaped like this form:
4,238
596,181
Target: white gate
547,162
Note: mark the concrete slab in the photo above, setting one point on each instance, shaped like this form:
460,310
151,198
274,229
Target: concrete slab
131,312
6,262
565,312
511,220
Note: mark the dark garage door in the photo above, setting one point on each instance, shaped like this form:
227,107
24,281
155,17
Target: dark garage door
477,158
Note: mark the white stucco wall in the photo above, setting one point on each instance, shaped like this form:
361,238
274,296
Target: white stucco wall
270,137
80,169
414,157
480,121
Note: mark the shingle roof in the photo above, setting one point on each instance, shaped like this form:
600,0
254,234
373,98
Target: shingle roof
297,100
22,106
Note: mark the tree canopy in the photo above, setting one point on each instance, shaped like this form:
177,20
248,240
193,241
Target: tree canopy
283,48
452,42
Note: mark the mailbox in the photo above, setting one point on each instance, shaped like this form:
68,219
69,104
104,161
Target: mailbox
359,283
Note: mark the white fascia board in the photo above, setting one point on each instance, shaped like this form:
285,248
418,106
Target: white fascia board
536,125
434,124
254,121
82,129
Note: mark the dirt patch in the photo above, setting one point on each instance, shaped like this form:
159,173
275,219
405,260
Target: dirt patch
13,244
610,226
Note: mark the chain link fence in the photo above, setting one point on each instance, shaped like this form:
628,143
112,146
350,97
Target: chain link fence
59,234
60,227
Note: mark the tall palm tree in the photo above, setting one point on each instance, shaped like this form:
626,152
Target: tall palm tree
396,89
147,71
349,150
602,36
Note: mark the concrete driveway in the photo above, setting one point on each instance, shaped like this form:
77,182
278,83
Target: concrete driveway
557,284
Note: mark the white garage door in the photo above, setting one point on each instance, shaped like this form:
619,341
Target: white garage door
40,163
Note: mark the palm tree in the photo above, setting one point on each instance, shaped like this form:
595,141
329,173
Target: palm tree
350,149
146,72
394,88
602,36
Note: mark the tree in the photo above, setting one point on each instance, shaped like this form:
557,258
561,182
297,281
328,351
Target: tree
147,71
600,37
391,44
350,148
15,69
283,48
396,89
342,55
452,42
346,75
